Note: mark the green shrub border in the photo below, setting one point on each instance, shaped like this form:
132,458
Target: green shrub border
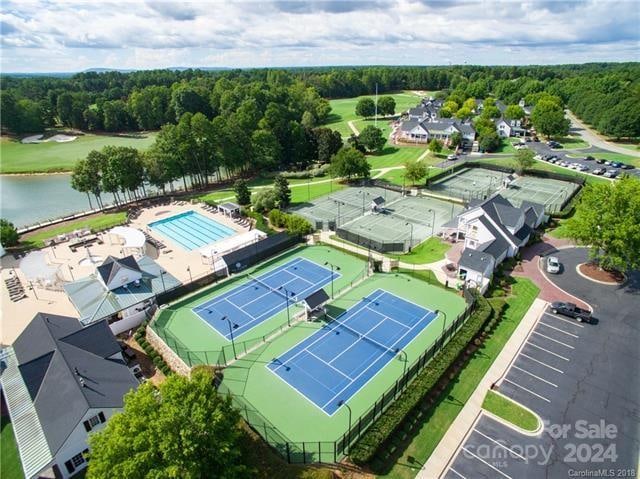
141,337
428,381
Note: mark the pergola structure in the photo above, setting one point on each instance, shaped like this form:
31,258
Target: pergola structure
229,209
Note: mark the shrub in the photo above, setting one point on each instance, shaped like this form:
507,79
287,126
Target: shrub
8,233
277,218
411,398
264,200
297,225
261,224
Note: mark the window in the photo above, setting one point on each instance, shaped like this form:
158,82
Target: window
93,421
77,459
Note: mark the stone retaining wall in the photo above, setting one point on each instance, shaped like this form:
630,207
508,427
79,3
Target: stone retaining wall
170,357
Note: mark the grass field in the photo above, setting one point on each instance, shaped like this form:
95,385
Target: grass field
506,145
98,222
200,343
51,156
510,411
296,418
453,399
572,142
10,467
429,251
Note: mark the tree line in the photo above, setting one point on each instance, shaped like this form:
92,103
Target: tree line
606,95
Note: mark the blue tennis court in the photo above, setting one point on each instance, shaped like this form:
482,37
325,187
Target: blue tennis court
191,230
336,361
260,298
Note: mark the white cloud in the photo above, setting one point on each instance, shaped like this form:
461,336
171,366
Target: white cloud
151,34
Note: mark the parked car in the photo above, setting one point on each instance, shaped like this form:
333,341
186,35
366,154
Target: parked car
599,171
564,163
583,168
610,174
572,311
554,144
626,166
539,157
600,161
616,164
527,139
553,265
520,146
589,158
607,162
452,157
535,138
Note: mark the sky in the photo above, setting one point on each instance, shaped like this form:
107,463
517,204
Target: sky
66,35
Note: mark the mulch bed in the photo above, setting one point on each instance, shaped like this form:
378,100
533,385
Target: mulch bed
593,271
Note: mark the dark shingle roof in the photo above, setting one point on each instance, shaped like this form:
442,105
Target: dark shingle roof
378,200
480,261
317,299
537,207
523,234
509,216
409,125
499,245
530,217
53,353
110,267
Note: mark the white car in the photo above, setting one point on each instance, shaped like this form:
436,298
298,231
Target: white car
520,146
452,157
553,265
537,157
564,163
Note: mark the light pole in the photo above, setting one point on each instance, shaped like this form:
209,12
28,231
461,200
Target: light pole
410,235
337,268
231,328
444,323
433,221
286,296
344,403
162,273
33,289
71,273
189,271
398,351
338,222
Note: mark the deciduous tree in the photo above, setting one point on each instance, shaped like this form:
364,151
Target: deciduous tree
365,107
548,118
241,189
386,105
524,160
372,138
414,171
282,191
349,163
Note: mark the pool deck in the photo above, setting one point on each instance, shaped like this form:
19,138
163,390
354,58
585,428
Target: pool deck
14,317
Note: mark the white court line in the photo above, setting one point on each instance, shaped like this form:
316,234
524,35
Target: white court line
537,377
482,460
457,473
559,330
502,445
540,362
554,340
329,364
547,351
528,390
565,320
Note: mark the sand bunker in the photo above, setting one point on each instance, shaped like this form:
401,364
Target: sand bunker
56,138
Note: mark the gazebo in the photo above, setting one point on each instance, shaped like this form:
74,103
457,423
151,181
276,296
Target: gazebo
230,209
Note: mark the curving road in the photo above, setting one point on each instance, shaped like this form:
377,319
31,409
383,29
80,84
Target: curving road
595,139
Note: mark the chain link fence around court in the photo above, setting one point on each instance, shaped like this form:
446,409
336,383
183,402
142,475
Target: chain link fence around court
469,184
403,224
308,452
333,210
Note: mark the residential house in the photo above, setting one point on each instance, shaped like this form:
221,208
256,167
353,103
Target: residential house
507,128
61,381
493,230
416,131
122,291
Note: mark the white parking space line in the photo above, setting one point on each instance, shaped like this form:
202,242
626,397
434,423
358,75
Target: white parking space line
540,362
565,320
527,390
537,377
559,330
554,340
457,473
546,350
503,446
482,460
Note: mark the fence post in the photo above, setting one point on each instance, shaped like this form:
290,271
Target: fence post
288,453
304,453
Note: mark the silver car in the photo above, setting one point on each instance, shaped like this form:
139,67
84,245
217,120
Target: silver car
553,265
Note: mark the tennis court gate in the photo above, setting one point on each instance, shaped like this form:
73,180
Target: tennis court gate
328,452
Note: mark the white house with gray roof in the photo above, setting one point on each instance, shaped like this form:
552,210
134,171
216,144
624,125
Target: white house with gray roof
492,230
416,131
61,381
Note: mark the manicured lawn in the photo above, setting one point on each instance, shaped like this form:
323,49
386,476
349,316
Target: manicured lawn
629,146
456,395
560,231
510,411
344,109
506,146
426,252
394,156
98,222
572,142
10,467
51,156
301,193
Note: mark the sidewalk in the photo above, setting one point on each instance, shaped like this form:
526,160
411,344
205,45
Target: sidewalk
439,460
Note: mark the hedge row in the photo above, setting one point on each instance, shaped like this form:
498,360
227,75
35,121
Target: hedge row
568,209
294,224
384,428
158,361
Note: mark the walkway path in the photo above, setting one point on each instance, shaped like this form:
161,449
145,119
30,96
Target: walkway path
353,127
591,136
437,462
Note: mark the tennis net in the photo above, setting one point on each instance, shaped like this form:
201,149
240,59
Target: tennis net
344,202
364,337
408,219
272,289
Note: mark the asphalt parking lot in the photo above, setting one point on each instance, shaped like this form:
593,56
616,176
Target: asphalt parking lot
581,379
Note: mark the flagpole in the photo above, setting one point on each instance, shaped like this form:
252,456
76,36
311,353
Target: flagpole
376,117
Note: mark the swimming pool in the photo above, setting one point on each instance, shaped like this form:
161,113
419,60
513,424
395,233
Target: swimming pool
191,230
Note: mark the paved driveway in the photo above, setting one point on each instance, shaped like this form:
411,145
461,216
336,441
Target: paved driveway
577,378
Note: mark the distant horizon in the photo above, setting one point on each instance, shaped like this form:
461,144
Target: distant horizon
283,67
73,36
